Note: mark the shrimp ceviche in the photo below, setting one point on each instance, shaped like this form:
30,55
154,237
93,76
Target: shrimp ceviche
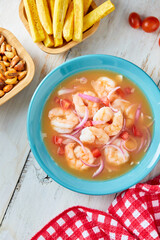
97,125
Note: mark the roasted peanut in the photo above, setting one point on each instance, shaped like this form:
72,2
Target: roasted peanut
7,88
11,73
9,55
14,51
2,39
1,93
3,47
2,77
20,66
5,58
2,84
11,81
2,67
7,64
14,61
12,68
21,75
8,48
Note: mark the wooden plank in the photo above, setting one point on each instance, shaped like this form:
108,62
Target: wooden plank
14,146
37,198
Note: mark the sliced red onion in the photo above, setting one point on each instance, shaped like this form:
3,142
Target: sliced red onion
98,122
88,97
117,148
129,108
128,149
90,165
82,80
122,146
124,124
138,112
147,116
141,145
113,109
84,120
123,100
148,139
75,112
75,132
113,138
65,91
112,91
74,139
150,124
100,169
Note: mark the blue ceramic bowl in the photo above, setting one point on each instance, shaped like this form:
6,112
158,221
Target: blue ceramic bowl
115,64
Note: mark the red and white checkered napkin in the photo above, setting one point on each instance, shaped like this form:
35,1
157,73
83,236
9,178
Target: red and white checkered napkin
134,214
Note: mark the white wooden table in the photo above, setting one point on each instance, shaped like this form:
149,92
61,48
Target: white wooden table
28,197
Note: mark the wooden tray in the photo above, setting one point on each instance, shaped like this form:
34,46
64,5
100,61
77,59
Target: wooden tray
12,40
66,46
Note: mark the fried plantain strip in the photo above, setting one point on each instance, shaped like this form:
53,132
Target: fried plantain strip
44,15
68,25
60,9
97,14
48,41
78,20
35,26
87,4
51,7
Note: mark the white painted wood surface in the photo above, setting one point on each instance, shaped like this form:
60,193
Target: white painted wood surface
28,198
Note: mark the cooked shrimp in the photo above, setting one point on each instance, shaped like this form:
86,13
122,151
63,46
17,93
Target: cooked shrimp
103,85
63,121
117,123
94,135
104,114
80,104
114,156
74,155
128,109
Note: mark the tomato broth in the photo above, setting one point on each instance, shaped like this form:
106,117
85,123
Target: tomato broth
127,91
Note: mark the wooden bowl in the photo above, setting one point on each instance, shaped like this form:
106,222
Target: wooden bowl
66,46
12,40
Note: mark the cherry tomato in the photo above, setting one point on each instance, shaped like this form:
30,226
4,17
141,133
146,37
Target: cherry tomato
65,103
57,100
57,140
134,20
124,135
88,124
96,153
110,122
150,24
60,150
105,101
121,93
136,131
128,90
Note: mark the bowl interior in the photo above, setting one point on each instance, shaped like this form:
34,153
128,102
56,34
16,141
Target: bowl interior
131,71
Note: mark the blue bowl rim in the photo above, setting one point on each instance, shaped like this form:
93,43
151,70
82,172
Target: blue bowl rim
49,173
